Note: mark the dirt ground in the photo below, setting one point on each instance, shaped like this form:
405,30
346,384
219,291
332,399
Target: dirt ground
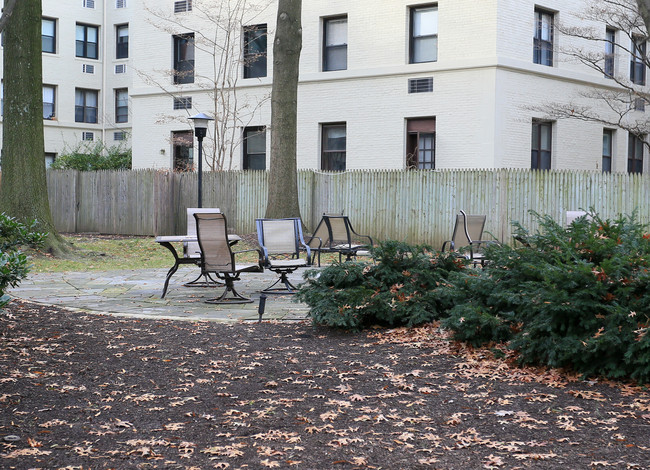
81,391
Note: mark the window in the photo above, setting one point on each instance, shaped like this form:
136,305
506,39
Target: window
184,58
182,6
610,42
85,109
541,146
255,51
637,61
49,108
543,40
87,41
183,143
421,144
122,41
48,35
49,159
333,147
424,34
608,140
183,103
635,153
254,148
121,105
335,44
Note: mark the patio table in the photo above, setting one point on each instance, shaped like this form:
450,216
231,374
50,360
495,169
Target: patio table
168,240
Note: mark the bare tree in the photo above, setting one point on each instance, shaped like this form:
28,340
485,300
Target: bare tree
644,11
283,178
217,28
612,105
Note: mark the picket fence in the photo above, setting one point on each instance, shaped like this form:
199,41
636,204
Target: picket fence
414,206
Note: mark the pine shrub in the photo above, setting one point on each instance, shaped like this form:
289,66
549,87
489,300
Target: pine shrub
403,286
576,297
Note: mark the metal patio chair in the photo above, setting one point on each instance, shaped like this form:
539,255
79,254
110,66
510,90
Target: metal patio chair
468,230
191,250
336,235
217,257
281,241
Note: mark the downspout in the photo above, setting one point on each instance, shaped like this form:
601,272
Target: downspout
104,72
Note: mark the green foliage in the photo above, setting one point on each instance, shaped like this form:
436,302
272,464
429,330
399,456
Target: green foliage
575,297
402,287
88,156
13,262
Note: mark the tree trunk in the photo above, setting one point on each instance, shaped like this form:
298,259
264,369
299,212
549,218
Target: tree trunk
283,178
23,189
644,11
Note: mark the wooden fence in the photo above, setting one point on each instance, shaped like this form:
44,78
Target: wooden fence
415,206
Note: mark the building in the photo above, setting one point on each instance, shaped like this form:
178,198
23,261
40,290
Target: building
384,84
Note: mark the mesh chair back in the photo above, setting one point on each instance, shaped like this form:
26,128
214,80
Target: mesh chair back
467,228
192,250
212,232
321,234
339,226
278,235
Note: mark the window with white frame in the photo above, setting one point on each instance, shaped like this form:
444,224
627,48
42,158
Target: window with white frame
255,51
423,39
635,153
87,41
610,45
335,43
608,147
49,102
86,109
48,35
540,157
421,143
254,148
121,105
184,58
122,41
543,38
637,61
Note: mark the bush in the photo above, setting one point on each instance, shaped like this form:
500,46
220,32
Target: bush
577,297
13,262
91,157
402,287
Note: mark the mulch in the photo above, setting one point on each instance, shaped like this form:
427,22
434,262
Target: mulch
84,391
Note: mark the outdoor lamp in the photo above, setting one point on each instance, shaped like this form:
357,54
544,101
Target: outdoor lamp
200,130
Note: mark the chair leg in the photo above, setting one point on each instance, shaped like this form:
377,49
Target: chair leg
288,287
208,281
236,298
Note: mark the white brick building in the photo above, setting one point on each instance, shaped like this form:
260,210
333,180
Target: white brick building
384,84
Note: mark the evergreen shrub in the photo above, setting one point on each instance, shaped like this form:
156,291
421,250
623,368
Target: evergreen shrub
403,286
92,157
576,297
13,262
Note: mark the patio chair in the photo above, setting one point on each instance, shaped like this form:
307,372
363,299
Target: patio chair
337,235
281,241
217,257
468,230
191,250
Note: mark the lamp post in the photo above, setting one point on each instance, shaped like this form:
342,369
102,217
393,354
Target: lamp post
200,130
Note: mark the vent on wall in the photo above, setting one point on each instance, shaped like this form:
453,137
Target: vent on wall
120,68
119,135
120,3
87,136
421,85
182,6
88,68
89,3
183,103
